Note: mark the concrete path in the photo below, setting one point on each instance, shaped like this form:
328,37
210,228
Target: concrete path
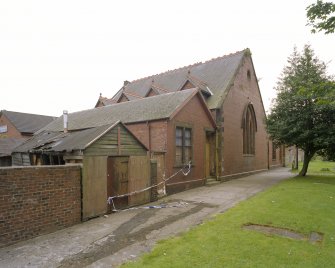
122,236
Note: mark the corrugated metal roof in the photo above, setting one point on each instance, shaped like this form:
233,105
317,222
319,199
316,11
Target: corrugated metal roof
146,109
55,141
8,144
27,123
216,74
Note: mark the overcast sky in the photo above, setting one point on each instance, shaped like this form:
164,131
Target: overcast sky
57,55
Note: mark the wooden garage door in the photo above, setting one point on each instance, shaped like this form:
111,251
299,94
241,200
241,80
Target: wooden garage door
139,178
117,180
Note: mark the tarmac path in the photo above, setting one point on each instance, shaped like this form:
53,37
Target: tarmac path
122,236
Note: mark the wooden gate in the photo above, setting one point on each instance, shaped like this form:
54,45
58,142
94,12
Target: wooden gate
126,175
160,158
117,180
139,178
94,186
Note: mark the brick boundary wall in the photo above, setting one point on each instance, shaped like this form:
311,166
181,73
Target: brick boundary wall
38,200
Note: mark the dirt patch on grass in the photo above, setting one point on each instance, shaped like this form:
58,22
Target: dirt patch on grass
314,237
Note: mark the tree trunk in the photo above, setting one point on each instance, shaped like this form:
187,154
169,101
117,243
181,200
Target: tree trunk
307,158
296,163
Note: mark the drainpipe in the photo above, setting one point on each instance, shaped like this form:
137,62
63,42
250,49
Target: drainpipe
65,121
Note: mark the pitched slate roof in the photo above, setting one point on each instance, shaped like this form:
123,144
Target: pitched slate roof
214,76
59,141
27,123
8,144
146,109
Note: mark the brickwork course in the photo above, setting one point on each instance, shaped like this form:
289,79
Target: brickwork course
38,200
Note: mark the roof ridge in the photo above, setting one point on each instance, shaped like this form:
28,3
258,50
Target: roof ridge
26,113
227,55
138,99
168,71
191,65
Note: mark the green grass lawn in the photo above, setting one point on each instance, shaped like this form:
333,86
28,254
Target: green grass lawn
300,204
319,167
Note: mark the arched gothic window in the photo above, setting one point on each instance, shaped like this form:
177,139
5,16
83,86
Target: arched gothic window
249,125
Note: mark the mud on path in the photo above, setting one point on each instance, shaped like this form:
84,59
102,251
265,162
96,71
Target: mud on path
125,235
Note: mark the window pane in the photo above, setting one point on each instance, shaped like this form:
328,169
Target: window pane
179,141
188,154
179,136
187,137
188,142
249,130
179,155
187,133
183,145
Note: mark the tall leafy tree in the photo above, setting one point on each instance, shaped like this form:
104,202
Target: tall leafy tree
321,16
303,114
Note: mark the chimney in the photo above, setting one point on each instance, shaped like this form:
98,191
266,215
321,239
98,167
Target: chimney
126,82
65,120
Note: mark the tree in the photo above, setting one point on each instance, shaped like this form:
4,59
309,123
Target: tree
303,114
321,16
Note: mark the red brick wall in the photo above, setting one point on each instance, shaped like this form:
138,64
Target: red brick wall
194,115
158,134
162,139
243,91
37,200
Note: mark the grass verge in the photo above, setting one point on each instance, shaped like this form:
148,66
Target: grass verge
303,204
318,167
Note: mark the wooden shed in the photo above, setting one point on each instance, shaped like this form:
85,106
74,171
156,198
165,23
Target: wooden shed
114,162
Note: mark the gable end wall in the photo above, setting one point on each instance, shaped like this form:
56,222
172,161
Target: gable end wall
12,132
108,144
193,114
243,91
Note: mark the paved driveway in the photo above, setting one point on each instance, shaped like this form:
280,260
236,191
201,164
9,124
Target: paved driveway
122,236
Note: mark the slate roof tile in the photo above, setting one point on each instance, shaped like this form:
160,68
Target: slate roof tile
146,109
216,74
27,123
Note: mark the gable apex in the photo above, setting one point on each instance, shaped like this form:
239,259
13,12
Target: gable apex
187,85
